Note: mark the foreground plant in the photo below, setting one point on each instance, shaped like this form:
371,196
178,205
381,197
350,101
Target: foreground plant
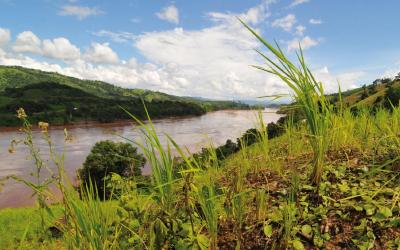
308,95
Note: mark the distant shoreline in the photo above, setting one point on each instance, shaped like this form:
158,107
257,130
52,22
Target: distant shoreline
93,123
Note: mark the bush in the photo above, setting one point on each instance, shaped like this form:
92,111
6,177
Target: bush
108,157
392,97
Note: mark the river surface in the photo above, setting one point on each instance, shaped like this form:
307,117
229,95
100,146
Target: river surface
192,132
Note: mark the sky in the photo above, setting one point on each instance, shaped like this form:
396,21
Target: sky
199,48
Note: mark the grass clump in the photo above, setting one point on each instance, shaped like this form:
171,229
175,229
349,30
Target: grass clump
308,95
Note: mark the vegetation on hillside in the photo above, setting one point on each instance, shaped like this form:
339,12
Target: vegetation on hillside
59,99
327,182
381,93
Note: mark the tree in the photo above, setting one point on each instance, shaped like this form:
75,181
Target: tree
392,97
108,157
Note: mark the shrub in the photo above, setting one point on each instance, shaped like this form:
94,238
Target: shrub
108,157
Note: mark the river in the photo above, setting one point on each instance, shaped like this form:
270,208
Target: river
192,132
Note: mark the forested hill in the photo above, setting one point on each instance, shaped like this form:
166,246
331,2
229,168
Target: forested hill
382,92
60,99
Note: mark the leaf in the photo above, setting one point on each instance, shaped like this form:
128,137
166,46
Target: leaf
297,245
268,230
357,208
369,209
344,187
306,229
385,211
202,241
382,214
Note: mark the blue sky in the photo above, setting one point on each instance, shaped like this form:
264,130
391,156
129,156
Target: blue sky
198,48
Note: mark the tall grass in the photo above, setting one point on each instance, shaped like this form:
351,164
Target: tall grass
161,162
207,199
308,95
90,222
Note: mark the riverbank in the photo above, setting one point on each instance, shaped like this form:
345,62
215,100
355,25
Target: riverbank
122,122
355,206
193,132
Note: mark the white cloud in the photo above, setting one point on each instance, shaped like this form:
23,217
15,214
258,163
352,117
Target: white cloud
347,80
300,30
211,62
214,61
254,15
315,21
298,2
286,23
5,36
101,53
118,37
27,41
80,12
305,43
60,48
170,14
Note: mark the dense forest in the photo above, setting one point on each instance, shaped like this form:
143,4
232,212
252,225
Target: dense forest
59,99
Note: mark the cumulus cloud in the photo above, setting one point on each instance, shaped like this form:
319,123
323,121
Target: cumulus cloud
215,60
305,43
5,36
118,37
300,30
315,21
60,48
170,14
298,2
27,41
101,53
253,16
80,12
211,62
286,23
346,80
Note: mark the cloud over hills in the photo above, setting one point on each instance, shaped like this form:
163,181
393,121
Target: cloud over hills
212,61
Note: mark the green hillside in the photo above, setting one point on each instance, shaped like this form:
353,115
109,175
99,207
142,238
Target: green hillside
380,93
60,99
15,77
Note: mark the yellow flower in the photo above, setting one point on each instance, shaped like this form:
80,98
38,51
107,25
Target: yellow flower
21,113
44,126
67,137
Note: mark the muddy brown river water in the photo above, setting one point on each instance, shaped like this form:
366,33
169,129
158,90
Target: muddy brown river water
192,132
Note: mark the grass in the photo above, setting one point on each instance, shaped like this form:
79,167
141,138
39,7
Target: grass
259,198
308,95
21,226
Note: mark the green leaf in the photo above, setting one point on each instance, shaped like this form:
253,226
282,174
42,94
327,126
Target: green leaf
268,230
369,209
344,187
203,241
297,245
382,214
306,229
385,211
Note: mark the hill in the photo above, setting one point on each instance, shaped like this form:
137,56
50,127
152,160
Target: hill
60,99
381,92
